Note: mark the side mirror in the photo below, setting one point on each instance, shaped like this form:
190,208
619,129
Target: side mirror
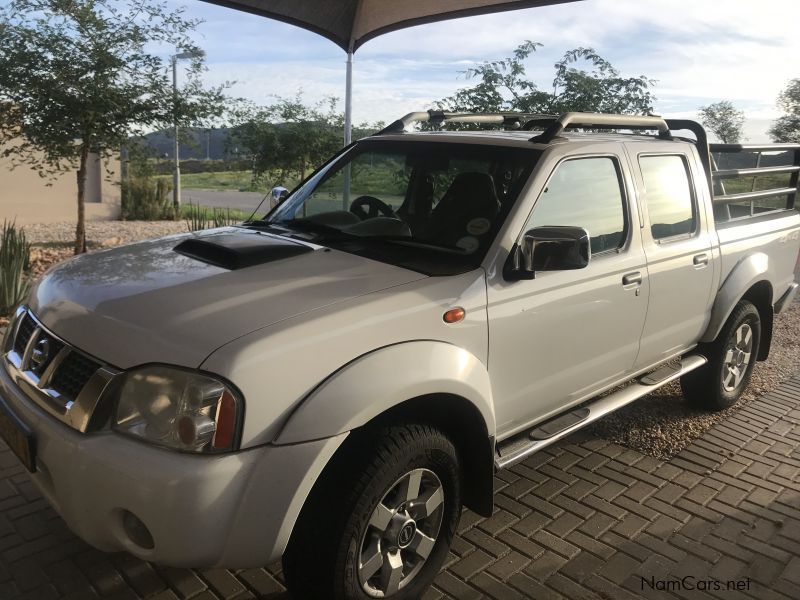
550,248
278,195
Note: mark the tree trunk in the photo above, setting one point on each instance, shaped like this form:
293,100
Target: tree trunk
80,229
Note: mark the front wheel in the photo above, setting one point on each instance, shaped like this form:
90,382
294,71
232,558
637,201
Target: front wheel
731,358
380,522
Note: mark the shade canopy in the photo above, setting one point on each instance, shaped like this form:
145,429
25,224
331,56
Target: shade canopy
350,23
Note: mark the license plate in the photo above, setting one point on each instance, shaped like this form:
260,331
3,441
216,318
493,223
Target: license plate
19,439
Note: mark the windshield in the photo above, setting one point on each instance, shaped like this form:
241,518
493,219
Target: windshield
430,206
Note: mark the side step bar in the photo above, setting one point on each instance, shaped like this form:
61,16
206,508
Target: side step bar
522,445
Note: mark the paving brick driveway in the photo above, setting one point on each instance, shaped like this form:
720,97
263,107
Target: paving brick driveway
583,519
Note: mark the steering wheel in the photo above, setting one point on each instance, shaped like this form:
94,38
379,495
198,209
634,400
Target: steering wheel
369,207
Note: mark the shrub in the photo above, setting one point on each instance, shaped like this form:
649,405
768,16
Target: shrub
14,262
145,198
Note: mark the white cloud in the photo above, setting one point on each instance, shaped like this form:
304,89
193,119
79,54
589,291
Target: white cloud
700,51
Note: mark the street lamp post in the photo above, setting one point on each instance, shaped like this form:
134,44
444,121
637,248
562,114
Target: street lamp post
176,175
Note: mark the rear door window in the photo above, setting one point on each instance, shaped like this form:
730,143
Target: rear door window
670,202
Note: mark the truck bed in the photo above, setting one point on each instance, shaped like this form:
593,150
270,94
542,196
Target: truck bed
754,191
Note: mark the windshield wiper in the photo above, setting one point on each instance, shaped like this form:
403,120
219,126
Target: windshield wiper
310,225
320,230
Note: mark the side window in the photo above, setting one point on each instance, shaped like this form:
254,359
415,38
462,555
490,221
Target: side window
669,195
585,192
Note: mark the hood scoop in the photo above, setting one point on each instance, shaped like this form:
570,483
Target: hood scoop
239,250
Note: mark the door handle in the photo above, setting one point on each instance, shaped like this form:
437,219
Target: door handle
632,278
701,259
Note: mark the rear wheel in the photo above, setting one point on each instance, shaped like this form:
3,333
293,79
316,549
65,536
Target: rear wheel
731,358
380,521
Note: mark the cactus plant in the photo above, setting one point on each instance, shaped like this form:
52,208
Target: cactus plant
199,217
14,262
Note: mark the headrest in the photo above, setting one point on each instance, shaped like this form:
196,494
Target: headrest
473,191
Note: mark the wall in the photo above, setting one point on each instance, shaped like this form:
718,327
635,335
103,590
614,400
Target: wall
28,198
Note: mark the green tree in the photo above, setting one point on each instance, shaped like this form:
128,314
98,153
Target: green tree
724,120
503,86
81,76
289,136
787,127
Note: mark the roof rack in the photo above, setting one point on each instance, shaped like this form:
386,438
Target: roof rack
509,120
553,124
602,121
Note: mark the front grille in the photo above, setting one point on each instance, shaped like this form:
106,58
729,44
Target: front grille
55,374
24,332
72,374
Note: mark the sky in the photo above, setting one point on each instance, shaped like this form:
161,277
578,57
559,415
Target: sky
699,51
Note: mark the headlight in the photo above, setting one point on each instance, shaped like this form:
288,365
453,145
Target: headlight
179,409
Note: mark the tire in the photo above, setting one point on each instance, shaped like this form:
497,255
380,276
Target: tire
731,357
379,522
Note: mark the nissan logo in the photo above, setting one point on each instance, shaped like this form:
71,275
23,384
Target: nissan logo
40,354
406,534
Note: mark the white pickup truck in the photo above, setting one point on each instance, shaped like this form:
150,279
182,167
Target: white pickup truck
332,382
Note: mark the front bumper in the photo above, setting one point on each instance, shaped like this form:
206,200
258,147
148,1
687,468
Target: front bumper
232,510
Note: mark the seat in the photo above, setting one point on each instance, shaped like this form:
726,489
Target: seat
417,211
465,214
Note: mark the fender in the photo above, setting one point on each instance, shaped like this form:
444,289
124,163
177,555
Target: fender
742,277
386,377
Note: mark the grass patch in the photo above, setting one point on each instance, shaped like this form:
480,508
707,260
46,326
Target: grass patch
231,181
234,181
759,183
206,212
762,182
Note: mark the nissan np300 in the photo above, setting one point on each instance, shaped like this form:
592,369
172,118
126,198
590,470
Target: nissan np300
330,383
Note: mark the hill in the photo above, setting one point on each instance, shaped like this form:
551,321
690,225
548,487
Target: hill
203,144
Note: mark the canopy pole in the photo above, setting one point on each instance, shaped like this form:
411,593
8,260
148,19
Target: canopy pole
348,101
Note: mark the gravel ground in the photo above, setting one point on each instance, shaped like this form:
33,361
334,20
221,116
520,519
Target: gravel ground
659,425
107,233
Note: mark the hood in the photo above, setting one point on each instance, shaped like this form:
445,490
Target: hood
147,302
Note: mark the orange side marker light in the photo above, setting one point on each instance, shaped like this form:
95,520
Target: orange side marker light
454,315
226,422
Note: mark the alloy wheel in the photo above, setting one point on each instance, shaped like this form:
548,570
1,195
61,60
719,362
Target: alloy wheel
401,533
737,357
